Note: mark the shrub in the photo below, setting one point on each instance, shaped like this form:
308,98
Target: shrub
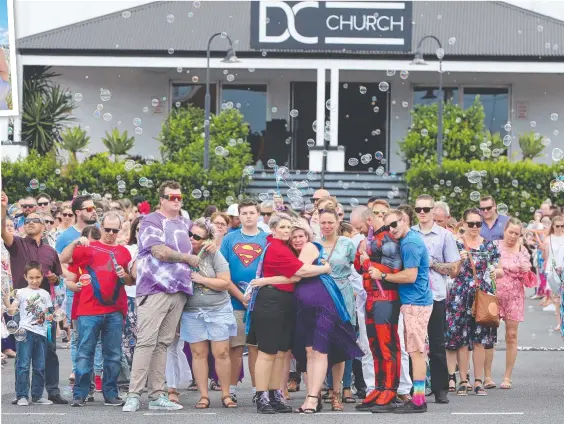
522,186
118,144
531,145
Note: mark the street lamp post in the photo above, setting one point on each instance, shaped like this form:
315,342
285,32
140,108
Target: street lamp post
230,57
418,60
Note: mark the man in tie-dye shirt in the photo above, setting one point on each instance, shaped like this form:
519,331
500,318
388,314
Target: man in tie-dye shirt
163,281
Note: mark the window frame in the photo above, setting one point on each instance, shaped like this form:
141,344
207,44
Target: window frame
173,83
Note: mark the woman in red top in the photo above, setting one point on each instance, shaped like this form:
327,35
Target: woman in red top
274,314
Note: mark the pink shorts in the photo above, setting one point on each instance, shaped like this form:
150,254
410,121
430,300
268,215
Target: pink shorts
416,320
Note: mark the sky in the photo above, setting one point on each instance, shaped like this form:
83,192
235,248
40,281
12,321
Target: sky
3,22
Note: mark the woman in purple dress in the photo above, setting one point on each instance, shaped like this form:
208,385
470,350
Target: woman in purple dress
324,334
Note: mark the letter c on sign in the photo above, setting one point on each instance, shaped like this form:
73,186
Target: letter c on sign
291,31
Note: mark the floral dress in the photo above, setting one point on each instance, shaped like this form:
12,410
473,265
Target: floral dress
461,328
511,287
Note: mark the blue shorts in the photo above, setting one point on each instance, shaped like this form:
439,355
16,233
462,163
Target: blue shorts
217,325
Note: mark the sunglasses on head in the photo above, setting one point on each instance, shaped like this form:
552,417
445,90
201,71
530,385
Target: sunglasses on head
111,230
67,215
195,236
89,209
394,224
27,206
424,210
32,221
486,208
266,213
172,197
477,224
42,203
378,212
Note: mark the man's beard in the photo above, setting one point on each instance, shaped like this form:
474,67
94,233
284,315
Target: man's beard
91,221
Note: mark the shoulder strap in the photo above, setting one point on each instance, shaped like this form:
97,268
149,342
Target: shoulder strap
334,245
98,293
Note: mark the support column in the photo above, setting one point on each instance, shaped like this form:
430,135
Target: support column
316,152
334,112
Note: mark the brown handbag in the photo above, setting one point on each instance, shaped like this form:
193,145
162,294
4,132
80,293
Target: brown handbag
485,308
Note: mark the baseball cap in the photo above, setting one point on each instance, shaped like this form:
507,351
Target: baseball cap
233,210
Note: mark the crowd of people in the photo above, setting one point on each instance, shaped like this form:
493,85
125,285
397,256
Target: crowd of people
377,311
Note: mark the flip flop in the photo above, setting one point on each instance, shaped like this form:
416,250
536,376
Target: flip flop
505,385
490,385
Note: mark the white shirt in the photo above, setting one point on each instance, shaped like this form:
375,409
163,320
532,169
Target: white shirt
264,227
133,249
33,307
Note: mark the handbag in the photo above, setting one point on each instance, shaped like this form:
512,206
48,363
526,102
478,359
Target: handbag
485,308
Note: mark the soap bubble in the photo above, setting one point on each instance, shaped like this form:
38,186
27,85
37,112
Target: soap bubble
136,121
149,160
557,154
502,209
379,155
219,150
533,124
330,105
78,97
362,89
96,114
170,18
404,74
248,170
353,161
230,77
12,326
311,175
354,202
196,193
474,177
452,41
34,184
20,335
274,109
107,116
384,86
138,167
271,163
376,109
390,72
294,113
507,127
424,132
507,140
475,196
105,95
440,53
554,116
310,142
138,130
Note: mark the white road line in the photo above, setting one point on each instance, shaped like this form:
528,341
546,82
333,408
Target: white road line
161,414
487,413
340,413
33,413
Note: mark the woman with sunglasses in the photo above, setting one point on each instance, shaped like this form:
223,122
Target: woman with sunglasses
66,219
208,320
553,248
463,333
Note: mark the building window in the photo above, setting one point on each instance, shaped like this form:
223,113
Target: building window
194,95
429,95
496,105
251,102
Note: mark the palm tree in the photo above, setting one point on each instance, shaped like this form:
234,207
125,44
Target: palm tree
118,144
531,145
73,140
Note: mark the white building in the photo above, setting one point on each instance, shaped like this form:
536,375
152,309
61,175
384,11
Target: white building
297,59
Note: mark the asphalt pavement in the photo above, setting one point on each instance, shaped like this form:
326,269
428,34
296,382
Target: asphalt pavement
537,394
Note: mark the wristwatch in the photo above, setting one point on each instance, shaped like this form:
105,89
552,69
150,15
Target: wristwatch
384,275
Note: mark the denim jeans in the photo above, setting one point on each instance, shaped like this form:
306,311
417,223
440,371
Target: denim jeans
98,360
109,328
347,376
31,352
52,363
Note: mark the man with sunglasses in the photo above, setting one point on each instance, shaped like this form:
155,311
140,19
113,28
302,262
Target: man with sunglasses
28,206
416,302
43,202
32,248
266,212
444,256
318,195
494,224
164,264
100,309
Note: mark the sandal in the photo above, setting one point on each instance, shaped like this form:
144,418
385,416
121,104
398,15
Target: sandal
203,403
348,399
214,386
452,378
489,383
293,386
479,389
173,396
506,385
336,404
462,388
192,387
229,404
327,396
318,408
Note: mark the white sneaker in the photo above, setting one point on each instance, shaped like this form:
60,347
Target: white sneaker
549,308
42,401
131,404
22,402
162,402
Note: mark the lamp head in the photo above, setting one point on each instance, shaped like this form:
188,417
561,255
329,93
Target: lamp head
230,57
418,59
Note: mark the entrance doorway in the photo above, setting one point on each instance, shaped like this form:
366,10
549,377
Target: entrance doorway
363,122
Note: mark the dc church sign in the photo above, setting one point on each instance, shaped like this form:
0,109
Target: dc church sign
331,25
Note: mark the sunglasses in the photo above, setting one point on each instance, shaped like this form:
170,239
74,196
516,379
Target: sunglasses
32,221
341,214
486,208
266,213
42,203
314,199
27,206
477,224
111,230
394,224
424,210
559,226
195,236
172,197
377,212
89,209
49,222
67,215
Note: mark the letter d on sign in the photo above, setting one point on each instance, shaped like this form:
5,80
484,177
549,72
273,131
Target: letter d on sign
291,31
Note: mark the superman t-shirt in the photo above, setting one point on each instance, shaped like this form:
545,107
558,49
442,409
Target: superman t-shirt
243,253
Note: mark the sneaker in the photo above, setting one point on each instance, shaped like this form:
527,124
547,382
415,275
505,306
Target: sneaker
549,308
22,402
98,383
58,399
117,401
162,402
254,398
90,397
42,401
410,408
131,404
76,403
278,402
263,404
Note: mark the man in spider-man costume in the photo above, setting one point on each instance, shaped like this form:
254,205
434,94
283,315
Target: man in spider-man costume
380,250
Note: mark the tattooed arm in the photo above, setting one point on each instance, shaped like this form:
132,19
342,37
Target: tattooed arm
446,268
166,254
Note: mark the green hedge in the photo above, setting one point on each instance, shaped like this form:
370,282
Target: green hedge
98,174
532,182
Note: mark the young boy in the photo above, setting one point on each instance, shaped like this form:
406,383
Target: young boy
35,310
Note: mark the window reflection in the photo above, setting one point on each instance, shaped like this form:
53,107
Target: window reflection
193,94
496,105
429,95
